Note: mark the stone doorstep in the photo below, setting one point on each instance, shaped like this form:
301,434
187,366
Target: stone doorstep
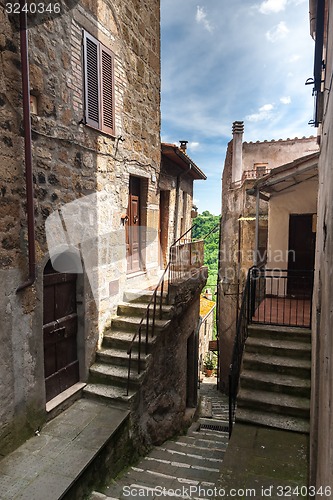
48,465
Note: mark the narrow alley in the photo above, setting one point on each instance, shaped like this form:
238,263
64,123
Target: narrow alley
187,466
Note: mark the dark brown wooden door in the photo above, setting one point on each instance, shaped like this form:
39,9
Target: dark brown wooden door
133,227
301,254
61,365
163,229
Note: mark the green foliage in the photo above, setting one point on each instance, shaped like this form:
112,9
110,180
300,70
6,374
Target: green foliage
205,223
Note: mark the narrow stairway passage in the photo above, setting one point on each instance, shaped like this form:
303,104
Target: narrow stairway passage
185,467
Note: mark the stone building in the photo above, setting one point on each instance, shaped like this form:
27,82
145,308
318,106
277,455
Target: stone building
321,451
80,198
244,164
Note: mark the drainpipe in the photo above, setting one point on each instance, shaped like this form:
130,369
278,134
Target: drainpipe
177,198
256,260
27,149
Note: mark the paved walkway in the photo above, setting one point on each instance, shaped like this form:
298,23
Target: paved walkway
47,465
263,462
186,467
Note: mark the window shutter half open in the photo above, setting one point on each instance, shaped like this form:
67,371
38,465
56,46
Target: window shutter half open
107,91
92,81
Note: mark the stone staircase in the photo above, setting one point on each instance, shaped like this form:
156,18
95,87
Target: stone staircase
191,461
108,375
275,378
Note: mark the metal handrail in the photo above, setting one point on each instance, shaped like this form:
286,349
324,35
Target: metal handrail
146,317
150,320
238,348
253,295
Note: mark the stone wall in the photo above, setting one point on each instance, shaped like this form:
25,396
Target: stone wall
71,161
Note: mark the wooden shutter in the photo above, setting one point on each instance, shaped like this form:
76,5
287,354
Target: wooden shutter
92,81
107,91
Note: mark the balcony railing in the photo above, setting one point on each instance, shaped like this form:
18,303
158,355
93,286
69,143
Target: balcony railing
281,297
186,257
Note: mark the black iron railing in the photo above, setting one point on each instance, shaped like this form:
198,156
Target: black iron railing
237,353
146,326
185,259
272,297
281,297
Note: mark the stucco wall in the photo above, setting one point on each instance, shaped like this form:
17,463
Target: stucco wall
301,199
321,455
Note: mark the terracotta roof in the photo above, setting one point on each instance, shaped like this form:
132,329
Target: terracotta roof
206,306
175,154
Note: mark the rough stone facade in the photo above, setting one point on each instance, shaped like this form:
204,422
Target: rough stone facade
70,162
238,227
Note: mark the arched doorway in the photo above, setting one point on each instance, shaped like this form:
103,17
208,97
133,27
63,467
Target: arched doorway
61,364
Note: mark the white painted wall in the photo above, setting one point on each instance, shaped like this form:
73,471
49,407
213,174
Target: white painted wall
301,199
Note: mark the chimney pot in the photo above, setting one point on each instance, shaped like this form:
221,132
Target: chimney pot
183,146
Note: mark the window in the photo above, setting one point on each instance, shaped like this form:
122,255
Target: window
98,85
261,169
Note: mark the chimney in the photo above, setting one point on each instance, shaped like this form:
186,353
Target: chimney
183,146
237,151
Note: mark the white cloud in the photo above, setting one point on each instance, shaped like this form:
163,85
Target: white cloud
294,58
264,113
272,6
285,99
278,32
193,145
201,18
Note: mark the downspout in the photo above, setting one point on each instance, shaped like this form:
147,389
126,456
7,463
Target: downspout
27,149
177,198
257,228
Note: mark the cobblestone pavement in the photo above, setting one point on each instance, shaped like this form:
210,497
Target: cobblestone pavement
186,467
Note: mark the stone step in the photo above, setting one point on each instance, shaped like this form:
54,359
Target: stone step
265,419
177,469
202,442
131,324
274,403
269,363
140,309
164,453
190,448
286,348
122,340
105,374
119,357
271,381
110,394
142,296
280,333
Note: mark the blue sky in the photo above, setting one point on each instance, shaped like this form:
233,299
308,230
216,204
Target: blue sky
224,61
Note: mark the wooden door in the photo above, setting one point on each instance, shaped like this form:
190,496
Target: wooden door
133,227
301,254
163,229
61,365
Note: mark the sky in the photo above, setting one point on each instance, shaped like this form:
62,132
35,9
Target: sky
224,61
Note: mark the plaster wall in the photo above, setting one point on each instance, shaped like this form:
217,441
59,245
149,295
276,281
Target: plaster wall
301,199
321,442
276,153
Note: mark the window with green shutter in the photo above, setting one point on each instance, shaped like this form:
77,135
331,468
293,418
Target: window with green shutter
98,85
